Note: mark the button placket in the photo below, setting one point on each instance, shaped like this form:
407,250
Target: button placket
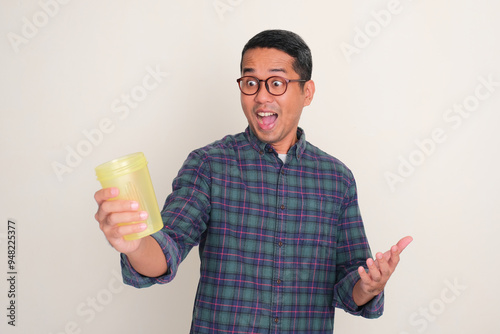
279,250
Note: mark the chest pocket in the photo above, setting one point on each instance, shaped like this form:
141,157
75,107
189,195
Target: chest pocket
318,218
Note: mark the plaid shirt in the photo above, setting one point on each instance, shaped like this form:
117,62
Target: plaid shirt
279,243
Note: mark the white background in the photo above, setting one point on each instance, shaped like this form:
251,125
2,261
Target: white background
64,70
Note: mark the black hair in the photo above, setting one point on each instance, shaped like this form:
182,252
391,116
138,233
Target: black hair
288,42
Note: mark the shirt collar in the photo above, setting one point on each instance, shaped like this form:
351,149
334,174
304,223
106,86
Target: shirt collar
261,147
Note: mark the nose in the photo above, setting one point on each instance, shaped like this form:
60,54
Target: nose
263,96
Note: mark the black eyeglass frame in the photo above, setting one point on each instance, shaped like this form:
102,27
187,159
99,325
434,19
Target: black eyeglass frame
287,81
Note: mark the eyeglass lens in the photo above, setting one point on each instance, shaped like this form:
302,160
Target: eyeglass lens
274,85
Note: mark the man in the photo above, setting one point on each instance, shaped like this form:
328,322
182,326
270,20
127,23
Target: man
280,235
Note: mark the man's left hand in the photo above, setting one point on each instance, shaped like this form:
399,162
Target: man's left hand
373,282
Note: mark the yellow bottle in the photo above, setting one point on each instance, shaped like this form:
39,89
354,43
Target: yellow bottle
130,175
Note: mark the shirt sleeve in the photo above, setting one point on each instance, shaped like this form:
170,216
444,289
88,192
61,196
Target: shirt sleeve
352,251
185,216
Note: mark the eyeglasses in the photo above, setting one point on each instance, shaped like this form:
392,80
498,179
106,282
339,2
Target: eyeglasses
275,85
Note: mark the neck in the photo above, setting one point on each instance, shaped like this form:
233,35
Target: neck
283,149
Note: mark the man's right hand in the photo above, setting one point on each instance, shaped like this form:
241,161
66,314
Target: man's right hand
144,254
111,213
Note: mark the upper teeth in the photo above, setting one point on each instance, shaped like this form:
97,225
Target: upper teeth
264,114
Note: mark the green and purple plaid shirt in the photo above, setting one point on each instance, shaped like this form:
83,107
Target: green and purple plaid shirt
279,243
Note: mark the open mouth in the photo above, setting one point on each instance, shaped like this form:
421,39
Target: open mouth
266,119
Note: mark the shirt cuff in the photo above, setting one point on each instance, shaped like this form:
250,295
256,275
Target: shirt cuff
137,280
343,298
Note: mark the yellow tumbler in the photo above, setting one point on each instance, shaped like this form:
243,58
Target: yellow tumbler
130,175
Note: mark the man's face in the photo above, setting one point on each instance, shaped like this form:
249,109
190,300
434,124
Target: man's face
274,119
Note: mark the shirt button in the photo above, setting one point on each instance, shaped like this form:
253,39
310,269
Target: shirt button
280,244
278,281
282,207
282,172
276,320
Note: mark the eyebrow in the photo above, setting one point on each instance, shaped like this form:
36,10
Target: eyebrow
248,70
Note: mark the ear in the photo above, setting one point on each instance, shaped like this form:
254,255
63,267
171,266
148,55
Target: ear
309,89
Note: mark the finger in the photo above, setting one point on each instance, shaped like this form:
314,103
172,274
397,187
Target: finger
387,255
394,260
105,194
123,230
383,265
363,275
119,224
403,243
126,217
373,271
119,206
107,208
